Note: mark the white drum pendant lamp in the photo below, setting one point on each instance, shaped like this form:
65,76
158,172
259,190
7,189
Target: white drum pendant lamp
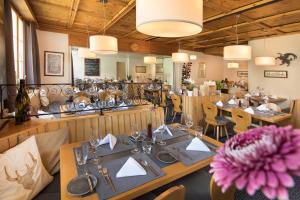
265,61
233,65
237,52
104,44
149,59
180,57
85,53
169,18
193,57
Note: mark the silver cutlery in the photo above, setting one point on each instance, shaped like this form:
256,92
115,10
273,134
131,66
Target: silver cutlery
100,170
89,181
106,175
147,165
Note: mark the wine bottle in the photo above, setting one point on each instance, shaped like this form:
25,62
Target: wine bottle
22,104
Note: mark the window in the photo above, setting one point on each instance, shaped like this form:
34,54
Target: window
18,42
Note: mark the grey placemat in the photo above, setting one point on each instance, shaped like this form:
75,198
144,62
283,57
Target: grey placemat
266,113
188,157
123,144
175,133
122,184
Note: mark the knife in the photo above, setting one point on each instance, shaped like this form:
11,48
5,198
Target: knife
106,175
89,182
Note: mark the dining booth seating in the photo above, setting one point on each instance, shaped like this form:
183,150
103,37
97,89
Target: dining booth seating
241,119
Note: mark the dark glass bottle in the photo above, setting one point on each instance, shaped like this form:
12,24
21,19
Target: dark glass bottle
149,130
22,104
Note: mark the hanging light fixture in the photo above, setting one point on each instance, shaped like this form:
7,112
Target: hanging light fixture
104,44
265,60
179,57
237,52
86,53
233,65
172,18
149,59
193,57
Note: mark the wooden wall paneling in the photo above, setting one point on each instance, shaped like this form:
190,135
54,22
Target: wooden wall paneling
144,122
138,120
115,125
121,124
72,130
79,130
102,127
127,124
108,125
296,115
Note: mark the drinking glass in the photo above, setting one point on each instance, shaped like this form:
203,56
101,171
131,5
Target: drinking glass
189,123
199,132
147,146
94,142
81,154
135,134
160,137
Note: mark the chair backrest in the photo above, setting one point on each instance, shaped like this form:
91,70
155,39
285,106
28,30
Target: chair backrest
176,102
274,107
242,120
211,112
217,194
163,99
292,106
174,193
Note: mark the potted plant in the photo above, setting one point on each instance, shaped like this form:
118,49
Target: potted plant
129,79
219,87
189,86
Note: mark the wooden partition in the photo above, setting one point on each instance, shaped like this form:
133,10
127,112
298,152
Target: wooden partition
296,114
193,105
81,127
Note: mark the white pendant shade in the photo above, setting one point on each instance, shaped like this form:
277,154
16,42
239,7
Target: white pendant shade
193,57
86,53
265,61
233,65
180,57
169,18
237,52
104,44
149,60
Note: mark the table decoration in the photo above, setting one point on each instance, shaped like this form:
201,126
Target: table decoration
263,159
109,139
249,110
197,145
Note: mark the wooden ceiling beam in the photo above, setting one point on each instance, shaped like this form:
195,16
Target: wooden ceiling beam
227,13
124,11
130,33
241,24
73,12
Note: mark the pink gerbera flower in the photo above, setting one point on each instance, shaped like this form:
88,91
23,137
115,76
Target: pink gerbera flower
260,159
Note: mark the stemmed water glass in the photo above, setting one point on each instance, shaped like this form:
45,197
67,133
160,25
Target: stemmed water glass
189,122
94,142
135,134
160,136
199,132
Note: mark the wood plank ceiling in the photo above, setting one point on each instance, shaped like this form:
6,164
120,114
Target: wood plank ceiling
258,18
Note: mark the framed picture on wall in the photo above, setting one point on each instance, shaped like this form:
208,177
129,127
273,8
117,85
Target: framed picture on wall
242,73
54,63
275,74
202,70
91,67
159,68
140,69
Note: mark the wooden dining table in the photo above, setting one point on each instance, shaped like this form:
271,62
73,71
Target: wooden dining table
172,172
275,119
261,100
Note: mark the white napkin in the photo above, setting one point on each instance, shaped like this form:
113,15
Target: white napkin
197,145
231,102
109,139
220,103
249,110
131,168
164,127
263,107
247,95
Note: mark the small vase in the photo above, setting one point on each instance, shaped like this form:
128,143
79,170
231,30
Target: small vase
190,93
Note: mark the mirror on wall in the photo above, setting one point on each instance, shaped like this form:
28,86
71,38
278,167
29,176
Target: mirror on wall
122,66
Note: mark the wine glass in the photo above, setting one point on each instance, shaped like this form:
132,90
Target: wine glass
199,132
189,123
135,134
94,142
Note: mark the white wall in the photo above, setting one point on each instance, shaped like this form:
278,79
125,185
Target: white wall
278,86
231,74
57,42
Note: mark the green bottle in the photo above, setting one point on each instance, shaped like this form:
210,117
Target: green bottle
22,104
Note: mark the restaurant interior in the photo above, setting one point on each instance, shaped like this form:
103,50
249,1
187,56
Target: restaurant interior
149,99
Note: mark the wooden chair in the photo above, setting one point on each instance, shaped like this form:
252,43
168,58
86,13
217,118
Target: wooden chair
211,112
217,194
164,103
241,119
176,105
174,193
